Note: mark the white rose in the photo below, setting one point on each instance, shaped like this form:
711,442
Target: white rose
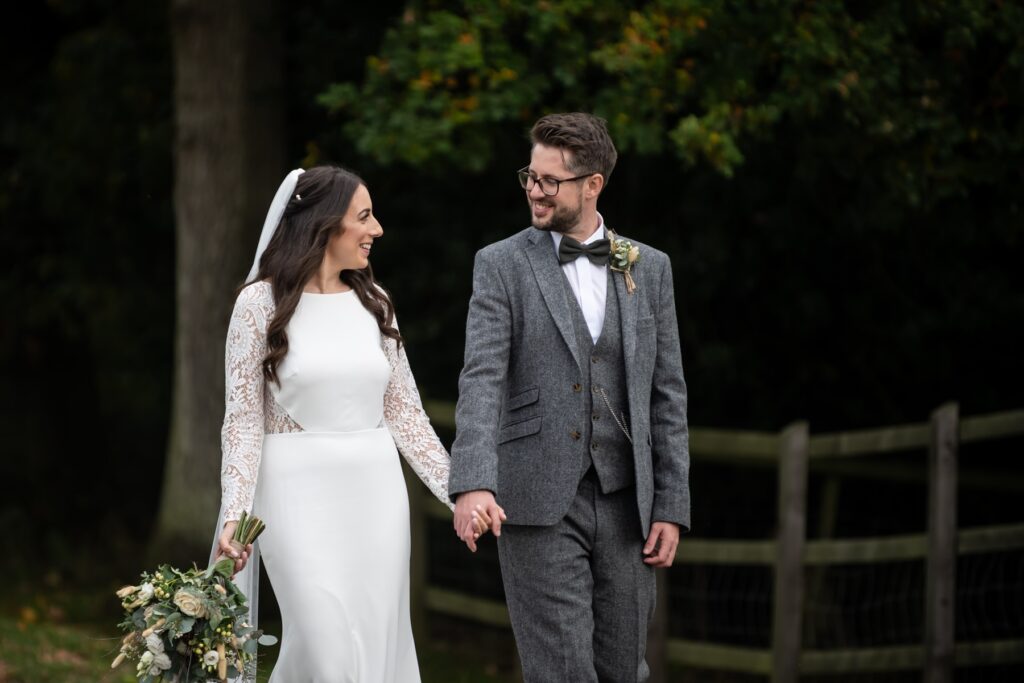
145,592
155,643
161,662
211,658
146,659
190,603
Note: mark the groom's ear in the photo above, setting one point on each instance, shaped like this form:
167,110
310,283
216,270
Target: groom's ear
593,186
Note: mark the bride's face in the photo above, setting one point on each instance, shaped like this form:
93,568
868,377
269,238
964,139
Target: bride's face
349,248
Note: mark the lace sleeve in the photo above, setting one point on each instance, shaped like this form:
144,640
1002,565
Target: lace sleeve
242,433
410,427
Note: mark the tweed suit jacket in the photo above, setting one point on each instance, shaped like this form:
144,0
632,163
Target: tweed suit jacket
520,411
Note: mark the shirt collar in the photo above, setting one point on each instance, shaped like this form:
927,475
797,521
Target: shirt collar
598,234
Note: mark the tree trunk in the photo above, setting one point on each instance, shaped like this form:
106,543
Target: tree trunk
229,157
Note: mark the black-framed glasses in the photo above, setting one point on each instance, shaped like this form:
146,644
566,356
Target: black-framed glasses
548,186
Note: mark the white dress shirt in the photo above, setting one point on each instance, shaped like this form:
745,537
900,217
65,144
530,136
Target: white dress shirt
589,282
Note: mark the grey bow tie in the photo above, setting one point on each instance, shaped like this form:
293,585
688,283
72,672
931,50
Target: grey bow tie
597,251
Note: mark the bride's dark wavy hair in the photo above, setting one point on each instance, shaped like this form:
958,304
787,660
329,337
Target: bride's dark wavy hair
297,249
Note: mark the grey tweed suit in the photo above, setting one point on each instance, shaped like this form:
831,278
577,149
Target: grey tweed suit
578,592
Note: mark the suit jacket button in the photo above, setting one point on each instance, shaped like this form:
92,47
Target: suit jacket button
594,417
593,446
575,435
577,388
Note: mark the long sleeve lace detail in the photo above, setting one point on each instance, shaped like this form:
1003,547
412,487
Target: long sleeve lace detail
410,427
243,430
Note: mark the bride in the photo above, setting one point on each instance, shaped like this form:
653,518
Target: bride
319,395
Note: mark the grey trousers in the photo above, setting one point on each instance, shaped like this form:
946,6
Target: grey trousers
579,595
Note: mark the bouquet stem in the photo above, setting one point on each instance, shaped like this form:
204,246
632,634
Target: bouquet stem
248,530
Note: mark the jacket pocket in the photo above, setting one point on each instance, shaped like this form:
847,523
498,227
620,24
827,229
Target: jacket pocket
524,398
519,429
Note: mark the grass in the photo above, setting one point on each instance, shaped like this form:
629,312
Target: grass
38,652
457,653
439,663
39,645
46,641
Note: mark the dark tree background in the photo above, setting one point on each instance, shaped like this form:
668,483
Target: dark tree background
837,184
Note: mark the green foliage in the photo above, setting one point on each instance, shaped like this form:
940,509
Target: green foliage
173,618
924,88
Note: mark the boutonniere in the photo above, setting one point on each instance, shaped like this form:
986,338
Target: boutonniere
622,258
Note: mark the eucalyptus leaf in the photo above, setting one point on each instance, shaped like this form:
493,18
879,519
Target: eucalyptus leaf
267,640
223,567
214,614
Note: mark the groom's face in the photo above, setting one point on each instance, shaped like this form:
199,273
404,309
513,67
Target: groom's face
562,212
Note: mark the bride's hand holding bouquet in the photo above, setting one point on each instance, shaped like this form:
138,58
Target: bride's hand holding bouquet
236,539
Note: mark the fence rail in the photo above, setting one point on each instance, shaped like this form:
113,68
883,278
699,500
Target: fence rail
793,450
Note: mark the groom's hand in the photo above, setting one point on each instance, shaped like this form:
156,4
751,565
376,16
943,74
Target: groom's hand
660,549
482,501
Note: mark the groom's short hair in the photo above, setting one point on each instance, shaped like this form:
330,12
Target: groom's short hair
584,135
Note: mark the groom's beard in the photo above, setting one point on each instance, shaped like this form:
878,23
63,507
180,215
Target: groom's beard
562,218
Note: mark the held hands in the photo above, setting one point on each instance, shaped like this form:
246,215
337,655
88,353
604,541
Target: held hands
475,513
224,548
660,549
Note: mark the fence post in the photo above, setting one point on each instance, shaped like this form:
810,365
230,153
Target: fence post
940,580
657,634
789,576
418,556
816,591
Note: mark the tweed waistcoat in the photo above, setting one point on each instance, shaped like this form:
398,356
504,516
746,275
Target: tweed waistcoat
604,389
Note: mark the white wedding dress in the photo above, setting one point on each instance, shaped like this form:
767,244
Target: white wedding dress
316,459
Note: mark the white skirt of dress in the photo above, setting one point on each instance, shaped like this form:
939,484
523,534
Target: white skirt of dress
336,550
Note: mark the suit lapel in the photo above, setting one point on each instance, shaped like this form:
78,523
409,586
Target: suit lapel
627,320
627,315
541,254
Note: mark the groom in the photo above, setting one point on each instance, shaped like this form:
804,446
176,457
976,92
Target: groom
572,416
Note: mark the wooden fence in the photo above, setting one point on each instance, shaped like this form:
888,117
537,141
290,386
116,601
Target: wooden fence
793,451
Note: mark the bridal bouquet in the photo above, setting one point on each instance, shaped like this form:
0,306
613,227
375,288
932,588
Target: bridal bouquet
190,626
